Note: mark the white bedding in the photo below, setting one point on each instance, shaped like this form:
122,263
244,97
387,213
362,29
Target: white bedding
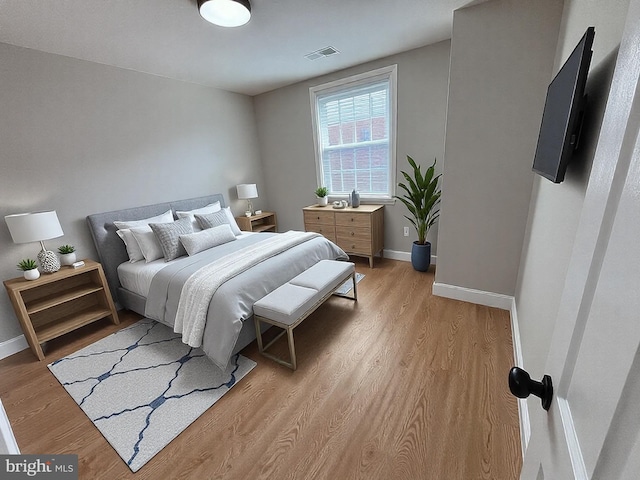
137,276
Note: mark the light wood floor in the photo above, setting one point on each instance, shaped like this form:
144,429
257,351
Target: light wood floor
400,385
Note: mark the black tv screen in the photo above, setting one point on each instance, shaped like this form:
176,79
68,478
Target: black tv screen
563,113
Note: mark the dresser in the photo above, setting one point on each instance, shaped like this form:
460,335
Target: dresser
358,231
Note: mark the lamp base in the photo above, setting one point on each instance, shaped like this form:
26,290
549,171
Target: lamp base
48,261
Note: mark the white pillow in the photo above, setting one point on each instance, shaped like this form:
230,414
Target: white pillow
232,221
211,208
205,239
149,244
133,249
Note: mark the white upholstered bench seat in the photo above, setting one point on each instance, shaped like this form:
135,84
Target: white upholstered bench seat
288,305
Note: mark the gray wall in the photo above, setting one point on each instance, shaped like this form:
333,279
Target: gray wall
502,54
82,138
555,209
286,137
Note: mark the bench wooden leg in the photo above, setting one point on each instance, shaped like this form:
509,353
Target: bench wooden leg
258,333
262,348
355,286
292,349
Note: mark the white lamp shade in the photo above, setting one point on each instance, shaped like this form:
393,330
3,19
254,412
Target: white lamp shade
34,227
247,190
225,13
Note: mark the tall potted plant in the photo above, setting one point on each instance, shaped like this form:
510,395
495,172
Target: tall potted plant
422,198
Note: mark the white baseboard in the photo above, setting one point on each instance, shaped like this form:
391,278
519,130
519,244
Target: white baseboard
404,256
397,255
471,295
13,345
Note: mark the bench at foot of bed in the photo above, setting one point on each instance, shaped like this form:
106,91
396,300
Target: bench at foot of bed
288,305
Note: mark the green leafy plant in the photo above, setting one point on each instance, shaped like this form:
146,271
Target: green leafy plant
27,264
321,192
422,198
64,249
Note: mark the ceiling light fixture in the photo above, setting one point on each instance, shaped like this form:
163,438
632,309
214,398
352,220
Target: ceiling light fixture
225,13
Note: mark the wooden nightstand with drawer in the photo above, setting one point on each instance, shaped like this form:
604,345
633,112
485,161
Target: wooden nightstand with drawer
358,231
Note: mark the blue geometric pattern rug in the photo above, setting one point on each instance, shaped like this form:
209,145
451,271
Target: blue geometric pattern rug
141,387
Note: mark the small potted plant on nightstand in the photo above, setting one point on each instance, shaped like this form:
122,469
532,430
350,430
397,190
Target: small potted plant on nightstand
321,195
30,269
67,254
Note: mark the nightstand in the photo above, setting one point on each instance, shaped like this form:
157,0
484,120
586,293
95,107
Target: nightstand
60,302
261,222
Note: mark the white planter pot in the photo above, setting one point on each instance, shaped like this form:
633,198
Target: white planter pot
323,201
68,258
32,274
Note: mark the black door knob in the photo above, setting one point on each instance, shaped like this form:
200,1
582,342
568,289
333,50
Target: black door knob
521,385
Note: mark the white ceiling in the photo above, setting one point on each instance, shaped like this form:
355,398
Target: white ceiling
170,39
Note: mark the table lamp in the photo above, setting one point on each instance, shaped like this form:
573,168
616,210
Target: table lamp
37,227
247,191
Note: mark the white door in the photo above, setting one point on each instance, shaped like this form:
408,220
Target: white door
592,430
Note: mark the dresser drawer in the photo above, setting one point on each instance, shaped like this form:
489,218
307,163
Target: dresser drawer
355,244
317,217
353,219
328,231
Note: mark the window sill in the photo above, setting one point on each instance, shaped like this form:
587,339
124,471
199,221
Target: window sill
364,201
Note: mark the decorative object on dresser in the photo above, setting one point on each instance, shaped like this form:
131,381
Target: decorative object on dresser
30,269
247,191
355,198
421,199
358,231
67,254
61,302
321,196
260,222
141,387
37,227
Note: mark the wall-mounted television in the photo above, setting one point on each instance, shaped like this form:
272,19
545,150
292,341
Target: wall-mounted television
563,113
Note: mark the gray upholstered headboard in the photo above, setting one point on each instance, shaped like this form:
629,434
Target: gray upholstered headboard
111,249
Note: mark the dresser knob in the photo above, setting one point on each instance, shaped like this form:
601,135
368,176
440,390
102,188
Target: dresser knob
352,234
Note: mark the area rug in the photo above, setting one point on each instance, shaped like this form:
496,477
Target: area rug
141,387
346,287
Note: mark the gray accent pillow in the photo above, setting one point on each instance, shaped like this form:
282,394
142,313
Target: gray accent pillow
205,239
210,220
168,235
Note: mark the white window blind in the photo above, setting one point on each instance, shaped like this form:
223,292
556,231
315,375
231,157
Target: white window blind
354,129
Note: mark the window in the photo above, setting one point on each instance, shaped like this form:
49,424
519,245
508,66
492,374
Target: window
354,124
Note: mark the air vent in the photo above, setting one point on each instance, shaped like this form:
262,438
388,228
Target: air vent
323,52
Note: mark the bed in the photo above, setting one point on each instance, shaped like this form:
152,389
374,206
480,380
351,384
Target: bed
153,288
